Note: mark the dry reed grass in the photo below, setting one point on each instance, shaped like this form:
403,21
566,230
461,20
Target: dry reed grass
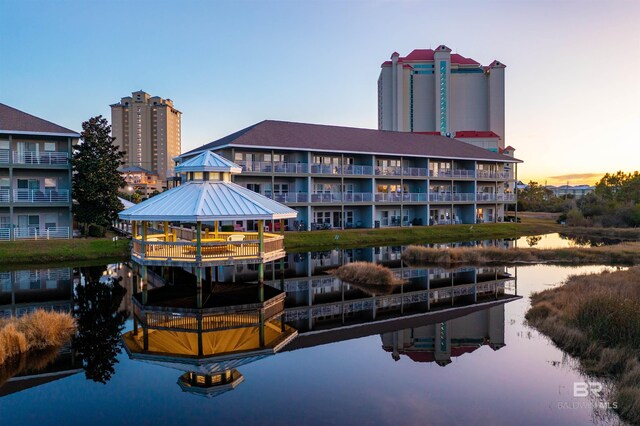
372,278
625,254
596,317
36,331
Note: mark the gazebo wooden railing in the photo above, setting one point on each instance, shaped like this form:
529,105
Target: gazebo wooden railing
224,246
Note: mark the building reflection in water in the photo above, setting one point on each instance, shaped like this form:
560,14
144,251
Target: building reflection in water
438,314
442,341
94,296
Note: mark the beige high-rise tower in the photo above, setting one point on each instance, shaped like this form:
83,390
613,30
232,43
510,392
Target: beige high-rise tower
147,129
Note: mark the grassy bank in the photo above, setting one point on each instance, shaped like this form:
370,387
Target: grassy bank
618,254
34,332
352,238
78,249
597,319
631,234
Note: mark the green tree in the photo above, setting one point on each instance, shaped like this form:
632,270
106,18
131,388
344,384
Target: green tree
96,179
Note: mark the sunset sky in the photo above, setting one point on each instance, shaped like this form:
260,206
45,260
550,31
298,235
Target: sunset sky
572,81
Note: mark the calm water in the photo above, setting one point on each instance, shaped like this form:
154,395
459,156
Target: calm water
372,368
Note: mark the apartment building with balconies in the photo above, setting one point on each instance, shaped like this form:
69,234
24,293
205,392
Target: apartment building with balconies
35,177
341,177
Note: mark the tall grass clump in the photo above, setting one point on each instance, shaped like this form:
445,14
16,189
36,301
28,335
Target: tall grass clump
596,317
370,277
34,332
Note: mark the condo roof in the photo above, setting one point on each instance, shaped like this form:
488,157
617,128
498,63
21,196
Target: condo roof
18,122
303,136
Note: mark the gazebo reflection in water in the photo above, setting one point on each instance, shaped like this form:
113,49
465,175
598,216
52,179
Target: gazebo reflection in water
192,323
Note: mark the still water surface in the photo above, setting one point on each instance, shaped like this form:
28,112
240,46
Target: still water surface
496,370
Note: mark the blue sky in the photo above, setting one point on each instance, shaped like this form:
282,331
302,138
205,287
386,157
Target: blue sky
572,66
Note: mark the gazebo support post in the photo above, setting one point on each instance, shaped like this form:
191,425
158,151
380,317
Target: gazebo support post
281,226
143,283
262,327
198,262
134,229
215,229
261,264
199,319
166,230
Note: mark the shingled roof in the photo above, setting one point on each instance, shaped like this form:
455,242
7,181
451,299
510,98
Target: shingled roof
302,136
17,122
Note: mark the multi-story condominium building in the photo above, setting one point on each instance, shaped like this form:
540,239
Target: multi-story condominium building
35,177
147,129
439,92
139,180
341,177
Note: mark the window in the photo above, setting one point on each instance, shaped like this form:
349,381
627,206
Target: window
49,146
4,144
50,221
50,183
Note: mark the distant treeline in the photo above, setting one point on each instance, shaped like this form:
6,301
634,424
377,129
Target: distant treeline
615,202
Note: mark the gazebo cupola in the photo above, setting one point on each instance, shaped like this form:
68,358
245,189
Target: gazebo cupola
208,167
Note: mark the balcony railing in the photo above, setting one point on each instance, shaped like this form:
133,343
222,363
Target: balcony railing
39,196
357,197
4,195
415,171
506,197
33,157
326,169
463,196
276,167
37,233
486,197
5,234
293,197
406,197
4,156
489,174
440,197
460,173
352,169
331,197
388,170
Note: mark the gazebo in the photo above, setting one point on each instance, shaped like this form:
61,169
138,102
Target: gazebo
196,208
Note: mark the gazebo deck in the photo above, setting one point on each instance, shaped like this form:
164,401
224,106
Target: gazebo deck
223,248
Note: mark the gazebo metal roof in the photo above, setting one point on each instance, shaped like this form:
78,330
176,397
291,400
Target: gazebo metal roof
208,162
206,201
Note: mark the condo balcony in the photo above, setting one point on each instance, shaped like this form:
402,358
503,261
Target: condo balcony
40,158
221,248
273,167
4,156
401,197
489,174
39,196
4,195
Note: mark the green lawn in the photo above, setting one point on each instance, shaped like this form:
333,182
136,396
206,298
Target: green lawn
77,249
351,238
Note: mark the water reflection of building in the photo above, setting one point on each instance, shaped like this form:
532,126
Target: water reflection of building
442,341
24,291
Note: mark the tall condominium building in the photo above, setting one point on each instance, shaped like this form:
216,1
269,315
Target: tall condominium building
439,92
147,129
35,177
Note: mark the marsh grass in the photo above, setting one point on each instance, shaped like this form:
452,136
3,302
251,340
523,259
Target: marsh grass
371,278
34,332
618,254
596,318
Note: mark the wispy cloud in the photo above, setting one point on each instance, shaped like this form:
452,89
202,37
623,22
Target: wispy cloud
578,176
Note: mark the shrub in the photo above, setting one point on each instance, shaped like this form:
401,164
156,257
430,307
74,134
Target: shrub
36,331
96,230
